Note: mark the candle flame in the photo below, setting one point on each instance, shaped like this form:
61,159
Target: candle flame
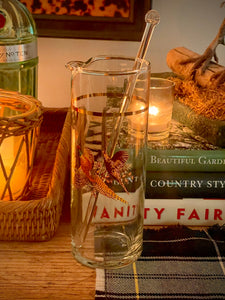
153,110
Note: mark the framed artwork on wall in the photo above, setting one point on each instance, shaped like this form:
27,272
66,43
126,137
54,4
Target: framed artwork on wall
90,19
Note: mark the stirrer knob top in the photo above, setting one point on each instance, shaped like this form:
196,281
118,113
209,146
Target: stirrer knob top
152,16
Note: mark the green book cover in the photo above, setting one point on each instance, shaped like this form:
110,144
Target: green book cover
184,150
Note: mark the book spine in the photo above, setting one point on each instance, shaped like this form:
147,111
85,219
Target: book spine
188,212
186,160
185,185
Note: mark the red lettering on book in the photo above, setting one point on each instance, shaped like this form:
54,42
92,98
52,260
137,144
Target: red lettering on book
105,214
194,215
206,214
145,212
134,208
116,211
128,210
159,212
180,212
217,214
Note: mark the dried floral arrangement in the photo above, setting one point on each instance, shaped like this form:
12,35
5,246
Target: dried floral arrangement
200,83
203,100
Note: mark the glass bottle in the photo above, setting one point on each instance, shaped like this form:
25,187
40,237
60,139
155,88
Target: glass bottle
18,48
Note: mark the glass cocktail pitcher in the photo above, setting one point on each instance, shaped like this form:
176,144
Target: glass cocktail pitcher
108,159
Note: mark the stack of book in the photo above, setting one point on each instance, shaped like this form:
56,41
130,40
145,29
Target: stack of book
185,180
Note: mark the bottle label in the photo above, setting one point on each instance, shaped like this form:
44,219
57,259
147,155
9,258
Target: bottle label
18,53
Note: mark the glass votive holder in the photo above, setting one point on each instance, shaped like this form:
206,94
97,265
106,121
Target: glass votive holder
160,108
20,119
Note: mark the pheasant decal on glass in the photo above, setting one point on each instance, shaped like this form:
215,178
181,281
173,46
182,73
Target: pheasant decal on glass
95,174
115,165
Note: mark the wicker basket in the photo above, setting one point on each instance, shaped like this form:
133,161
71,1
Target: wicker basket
37,216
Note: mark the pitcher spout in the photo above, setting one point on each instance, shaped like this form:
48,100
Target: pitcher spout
74,65
77,65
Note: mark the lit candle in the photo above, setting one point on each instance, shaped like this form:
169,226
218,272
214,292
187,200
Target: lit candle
160,108
20,118
13,169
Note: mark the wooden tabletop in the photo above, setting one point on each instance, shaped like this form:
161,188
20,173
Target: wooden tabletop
44,270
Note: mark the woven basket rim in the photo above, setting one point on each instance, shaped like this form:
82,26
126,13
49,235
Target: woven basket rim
34,106
22,123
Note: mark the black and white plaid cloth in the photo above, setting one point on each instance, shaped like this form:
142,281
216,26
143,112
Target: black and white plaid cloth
176,263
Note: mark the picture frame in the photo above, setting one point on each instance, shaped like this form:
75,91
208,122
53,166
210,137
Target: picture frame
128,28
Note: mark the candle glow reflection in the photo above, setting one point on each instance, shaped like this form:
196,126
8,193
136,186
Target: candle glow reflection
153,110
